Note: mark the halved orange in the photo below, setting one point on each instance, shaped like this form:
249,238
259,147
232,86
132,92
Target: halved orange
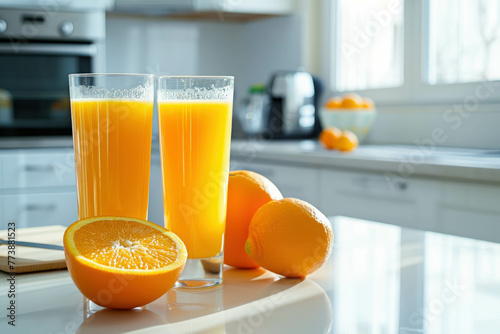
122,263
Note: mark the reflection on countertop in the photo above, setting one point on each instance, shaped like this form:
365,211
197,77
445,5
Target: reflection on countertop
379,279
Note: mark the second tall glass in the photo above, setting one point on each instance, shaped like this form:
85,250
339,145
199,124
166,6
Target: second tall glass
195,133
112,117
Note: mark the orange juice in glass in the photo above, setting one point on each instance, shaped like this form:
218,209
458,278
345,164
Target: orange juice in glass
195,134
112,117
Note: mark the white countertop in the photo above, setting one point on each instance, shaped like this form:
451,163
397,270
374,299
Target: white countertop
379,279
456,163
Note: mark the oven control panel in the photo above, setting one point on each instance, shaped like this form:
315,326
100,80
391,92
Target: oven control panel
23,25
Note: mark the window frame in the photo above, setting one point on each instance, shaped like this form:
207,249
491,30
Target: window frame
415,89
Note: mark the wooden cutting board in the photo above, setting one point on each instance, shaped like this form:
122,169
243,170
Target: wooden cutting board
29,259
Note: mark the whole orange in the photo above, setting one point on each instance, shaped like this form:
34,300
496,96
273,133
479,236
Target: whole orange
329,137
247,192
348,141
290,237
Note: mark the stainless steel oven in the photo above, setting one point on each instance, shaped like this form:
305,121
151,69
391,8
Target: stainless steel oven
37,52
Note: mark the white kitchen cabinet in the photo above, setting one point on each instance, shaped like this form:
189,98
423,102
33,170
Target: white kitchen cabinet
37,187
470,210
240,10
451,207
372,196
30,210
292,181
37,168
155,208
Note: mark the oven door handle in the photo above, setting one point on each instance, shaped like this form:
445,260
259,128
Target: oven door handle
47,49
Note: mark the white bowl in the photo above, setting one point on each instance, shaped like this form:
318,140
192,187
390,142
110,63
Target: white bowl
358,121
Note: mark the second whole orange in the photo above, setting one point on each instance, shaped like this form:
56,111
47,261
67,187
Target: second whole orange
347,142
290,237
247,192
329,137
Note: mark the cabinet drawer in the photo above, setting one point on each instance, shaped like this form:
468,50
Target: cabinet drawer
39,209
298,182
470,210
32,170
155,208
405,202
466,222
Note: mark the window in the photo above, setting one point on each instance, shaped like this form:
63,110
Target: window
370,41
422,52
464,41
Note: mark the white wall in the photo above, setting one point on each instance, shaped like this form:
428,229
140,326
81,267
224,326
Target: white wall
270,45
151,46
437,126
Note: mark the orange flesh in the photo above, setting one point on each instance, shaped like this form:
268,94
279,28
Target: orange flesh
126,245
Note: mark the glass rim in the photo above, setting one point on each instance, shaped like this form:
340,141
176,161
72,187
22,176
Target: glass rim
76,75
195,76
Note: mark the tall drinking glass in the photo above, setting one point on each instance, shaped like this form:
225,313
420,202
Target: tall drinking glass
195,134
112,116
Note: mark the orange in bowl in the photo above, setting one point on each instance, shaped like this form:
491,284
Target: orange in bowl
290,237
333,103
354,113
368,103
122,263
247,192
351,101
